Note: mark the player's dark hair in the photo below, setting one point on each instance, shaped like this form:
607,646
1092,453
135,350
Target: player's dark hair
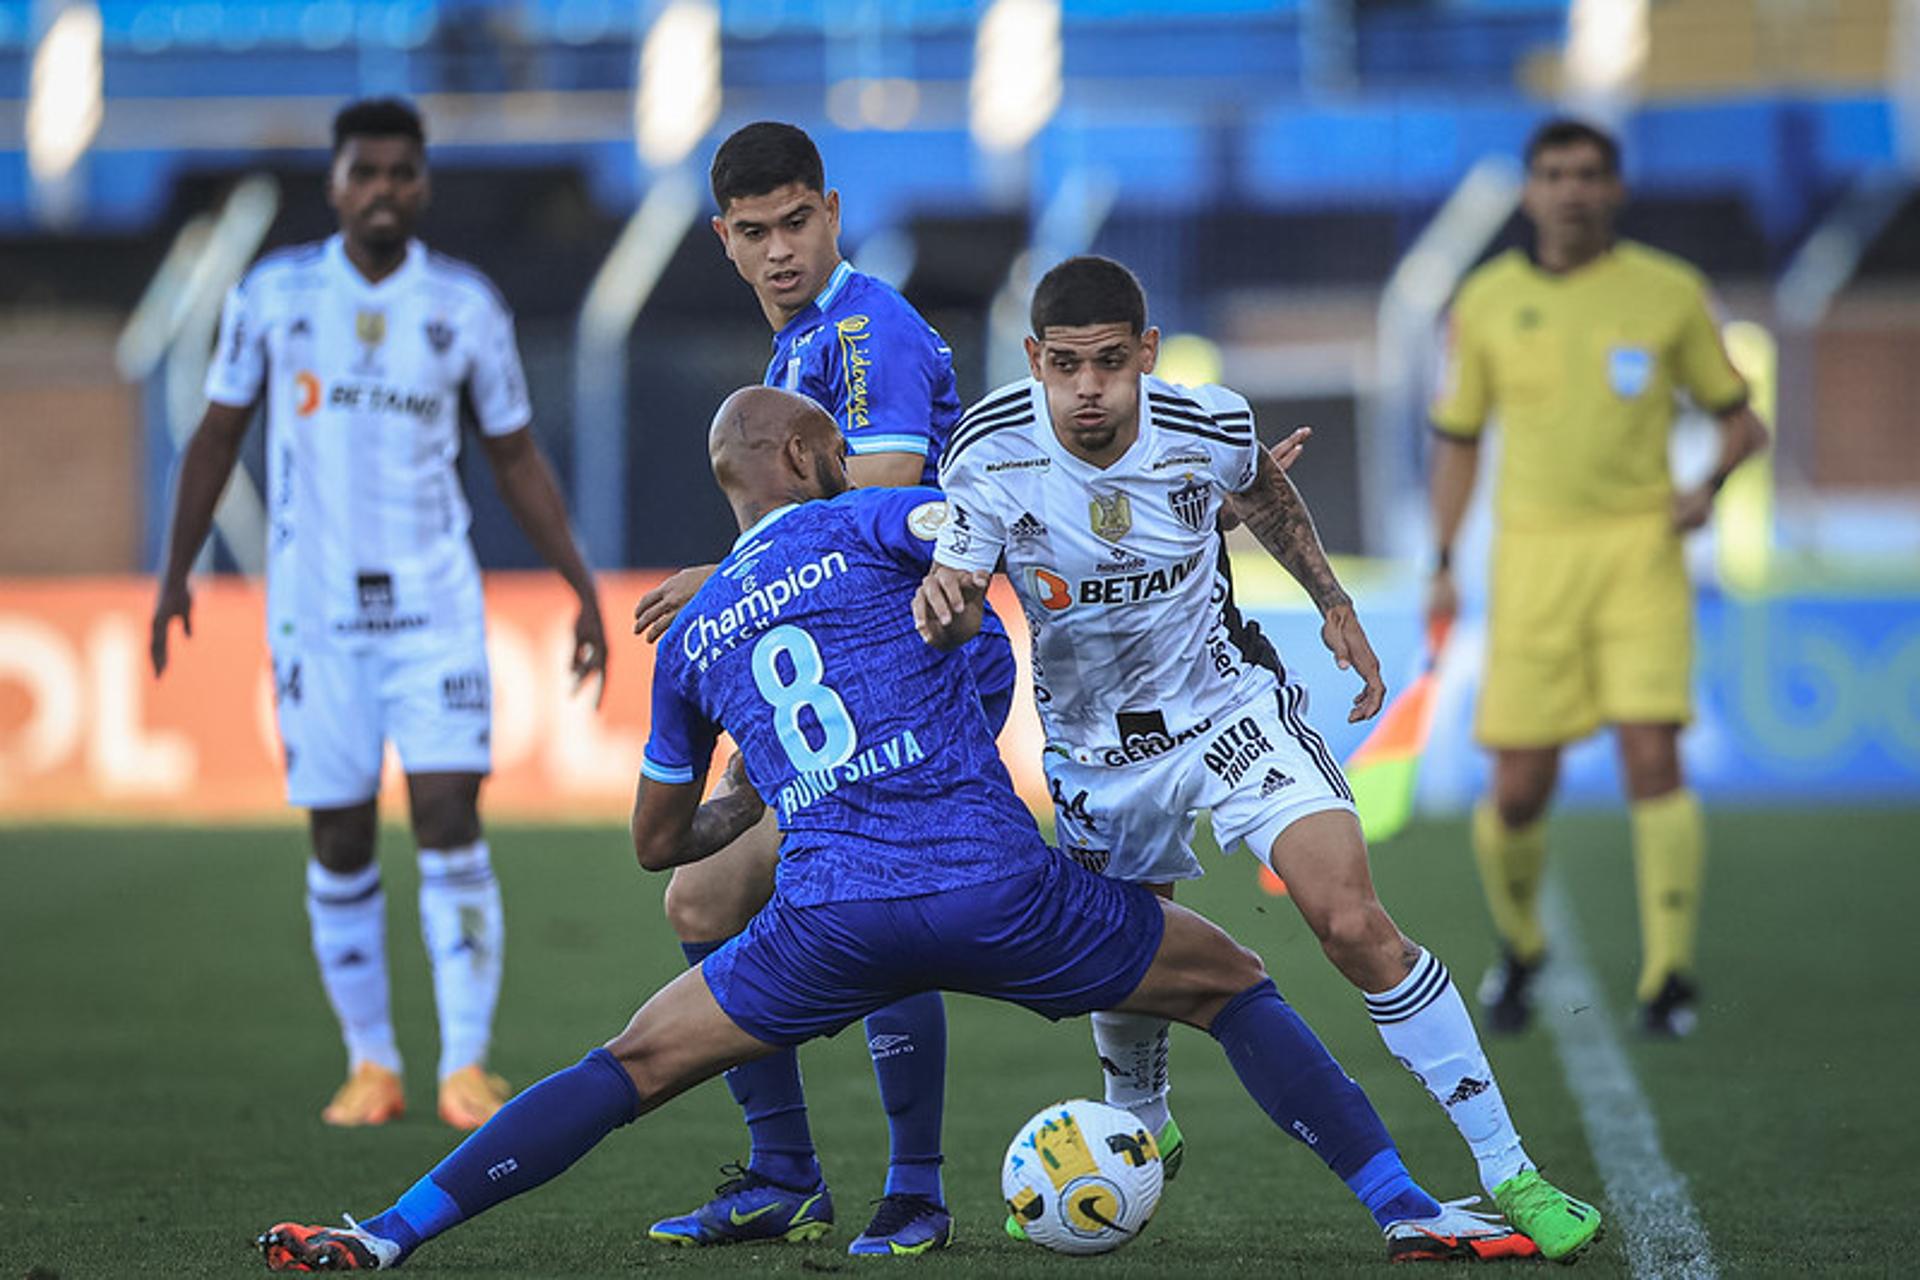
377,118
1564,131
1088,290
761,157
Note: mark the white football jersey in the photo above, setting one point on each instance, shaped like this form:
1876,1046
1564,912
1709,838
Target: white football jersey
1121,571
367,528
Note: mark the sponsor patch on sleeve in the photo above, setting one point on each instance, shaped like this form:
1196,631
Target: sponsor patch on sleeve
926,519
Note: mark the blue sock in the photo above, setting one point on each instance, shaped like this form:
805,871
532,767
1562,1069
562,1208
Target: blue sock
769,1091
908,1041
534,1137
1389,1191
1299,1085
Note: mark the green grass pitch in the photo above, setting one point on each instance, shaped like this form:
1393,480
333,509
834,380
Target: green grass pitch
166,1050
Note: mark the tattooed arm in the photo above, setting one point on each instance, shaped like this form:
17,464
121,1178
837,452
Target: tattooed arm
671,827
1274,512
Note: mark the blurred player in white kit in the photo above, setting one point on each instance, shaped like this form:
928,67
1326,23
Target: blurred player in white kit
363,348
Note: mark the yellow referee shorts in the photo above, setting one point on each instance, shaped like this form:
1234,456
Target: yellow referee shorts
1589,624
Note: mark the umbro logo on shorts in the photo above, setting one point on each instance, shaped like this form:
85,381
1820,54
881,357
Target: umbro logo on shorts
888,1045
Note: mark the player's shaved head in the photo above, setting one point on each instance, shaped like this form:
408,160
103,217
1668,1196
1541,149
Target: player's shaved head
771,447
755,422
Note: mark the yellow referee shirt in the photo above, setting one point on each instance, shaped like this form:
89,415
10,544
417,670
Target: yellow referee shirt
1581,371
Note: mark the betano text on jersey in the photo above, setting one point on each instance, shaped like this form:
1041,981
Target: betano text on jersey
1123,575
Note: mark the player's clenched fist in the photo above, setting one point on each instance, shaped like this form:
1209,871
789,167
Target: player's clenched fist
947,607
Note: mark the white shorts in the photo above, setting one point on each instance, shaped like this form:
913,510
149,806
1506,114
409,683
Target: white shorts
428,692
1259,769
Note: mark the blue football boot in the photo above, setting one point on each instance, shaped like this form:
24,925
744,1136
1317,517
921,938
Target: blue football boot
904,1226
748,1208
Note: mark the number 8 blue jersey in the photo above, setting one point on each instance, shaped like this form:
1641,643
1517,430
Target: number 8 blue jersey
868,743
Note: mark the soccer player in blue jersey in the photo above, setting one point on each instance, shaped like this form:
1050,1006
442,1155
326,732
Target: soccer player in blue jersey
908,864
856,347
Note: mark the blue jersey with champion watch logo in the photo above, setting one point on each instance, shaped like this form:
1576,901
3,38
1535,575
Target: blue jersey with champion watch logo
870,745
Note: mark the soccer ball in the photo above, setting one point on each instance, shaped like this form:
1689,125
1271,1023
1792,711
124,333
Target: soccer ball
1082,1177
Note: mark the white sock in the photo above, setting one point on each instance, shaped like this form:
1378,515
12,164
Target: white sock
348,912
1133,1058
465,933
1425,1025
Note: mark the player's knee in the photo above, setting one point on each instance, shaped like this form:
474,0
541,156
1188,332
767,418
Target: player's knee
343,839
1231,969
446,821
1652,768
1523,785
643,1068
696,913
1355,931
1240,969
1520,805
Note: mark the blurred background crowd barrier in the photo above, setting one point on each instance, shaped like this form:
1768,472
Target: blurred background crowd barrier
1299,183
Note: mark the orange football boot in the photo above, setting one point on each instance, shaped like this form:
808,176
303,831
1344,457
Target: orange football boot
288,1246
470,1096
372,1095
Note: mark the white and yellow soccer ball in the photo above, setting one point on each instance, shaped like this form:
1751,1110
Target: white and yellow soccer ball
1082,1177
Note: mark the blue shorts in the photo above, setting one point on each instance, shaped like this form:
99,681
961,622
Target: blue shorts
1058,940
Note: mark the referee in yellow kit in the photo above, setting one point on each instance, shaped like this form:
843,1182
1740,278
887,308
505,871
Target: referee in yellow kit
1577,348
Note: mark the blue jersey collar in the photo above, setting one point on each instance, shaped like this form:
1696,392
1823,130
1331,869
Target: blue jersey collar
821,301
835,283
760,525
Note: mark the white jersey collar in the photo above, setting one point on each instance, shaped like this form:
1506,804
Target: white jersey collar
343,265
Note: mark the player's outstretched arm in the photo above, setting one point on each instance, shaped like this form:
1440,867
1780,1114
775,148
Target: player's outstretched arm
659,607
950,605
1274,512
672,828
1284,455
526,484
204,469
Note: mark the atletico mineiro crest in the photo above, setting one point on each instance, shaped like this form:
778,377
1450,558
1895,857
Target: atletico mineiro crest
1189,503
370,327
1111,516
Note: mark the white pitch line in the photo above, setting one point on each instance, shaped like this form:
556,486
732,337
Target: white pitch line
1647,1199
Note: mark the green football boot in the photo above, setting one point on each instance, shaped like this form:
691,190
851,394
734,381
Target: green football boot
1173,1148
1561,1225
